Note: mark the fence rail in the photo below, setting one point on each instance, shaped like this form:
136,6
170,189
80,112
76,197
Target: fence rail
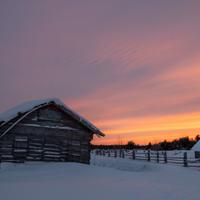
151,156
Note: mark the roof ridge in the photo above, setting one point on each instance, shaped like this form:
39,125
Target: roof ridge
30,106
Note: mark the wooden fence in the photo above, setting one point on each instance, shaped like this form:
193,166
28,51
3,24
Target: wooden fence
151,156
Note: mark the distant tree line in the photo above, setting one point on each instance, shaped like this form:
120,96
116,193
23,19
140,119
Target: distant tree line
183,143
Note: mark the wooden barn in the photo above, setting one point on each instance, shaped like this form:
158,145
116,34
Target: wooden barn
45,130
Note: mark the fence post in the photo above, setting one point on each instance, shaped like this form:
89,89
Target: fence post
185,160
157,156
123,154
115,153
133,154
165,157
149,156
120,153
108,153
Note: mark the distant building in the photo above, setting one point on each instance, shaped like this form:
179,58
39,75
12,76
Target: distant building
196,147
45,130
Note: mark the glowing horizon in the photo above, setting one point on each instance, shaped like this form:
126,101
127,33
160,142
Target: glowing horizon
150,129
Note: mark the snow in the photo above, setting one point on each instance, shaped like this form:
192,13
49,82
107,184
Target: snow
29,106
196,147
25,107
51,127
105,178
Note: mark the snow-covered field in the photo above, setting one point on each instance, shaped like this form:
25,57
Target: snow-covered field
105,178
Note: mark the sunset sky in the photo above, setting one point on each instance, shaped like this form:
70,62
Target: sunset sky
132,67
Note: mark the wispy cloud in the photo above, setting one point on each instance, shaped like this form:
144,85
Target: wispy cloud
131,67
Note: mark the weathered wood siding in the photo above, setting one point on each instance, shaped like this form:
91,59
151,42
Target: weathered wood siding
47,134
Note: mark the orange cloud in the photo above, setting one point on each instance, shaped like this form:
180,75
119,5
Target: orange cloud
141,129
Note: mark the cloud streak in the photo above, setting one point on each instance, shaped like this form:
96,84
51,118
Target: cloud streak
130,67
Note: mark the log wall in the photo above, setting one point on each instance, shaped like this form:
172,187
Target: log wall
46,135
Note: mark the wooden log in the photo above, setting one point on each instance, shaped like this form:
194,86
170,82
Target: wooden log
157,156
133,154
185,161
115,153
149,155
123,154
165,157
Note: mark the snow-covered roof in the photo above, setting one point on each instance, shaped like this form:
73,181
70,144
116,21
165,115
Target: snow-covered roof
28,107
196,147
24,107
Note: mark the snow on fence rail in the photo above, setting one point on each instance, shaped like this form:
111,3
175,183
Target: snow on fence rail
151,156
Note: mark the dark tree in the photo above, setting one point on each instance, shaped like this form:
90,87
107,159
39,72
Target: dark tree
130,145
197,138
149,146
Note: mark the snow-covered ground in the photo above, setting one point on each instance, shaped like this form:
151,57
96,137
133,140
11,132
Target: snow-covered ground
105,178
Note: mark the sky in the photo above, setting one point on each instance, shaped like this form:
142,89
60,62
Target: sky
130,67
